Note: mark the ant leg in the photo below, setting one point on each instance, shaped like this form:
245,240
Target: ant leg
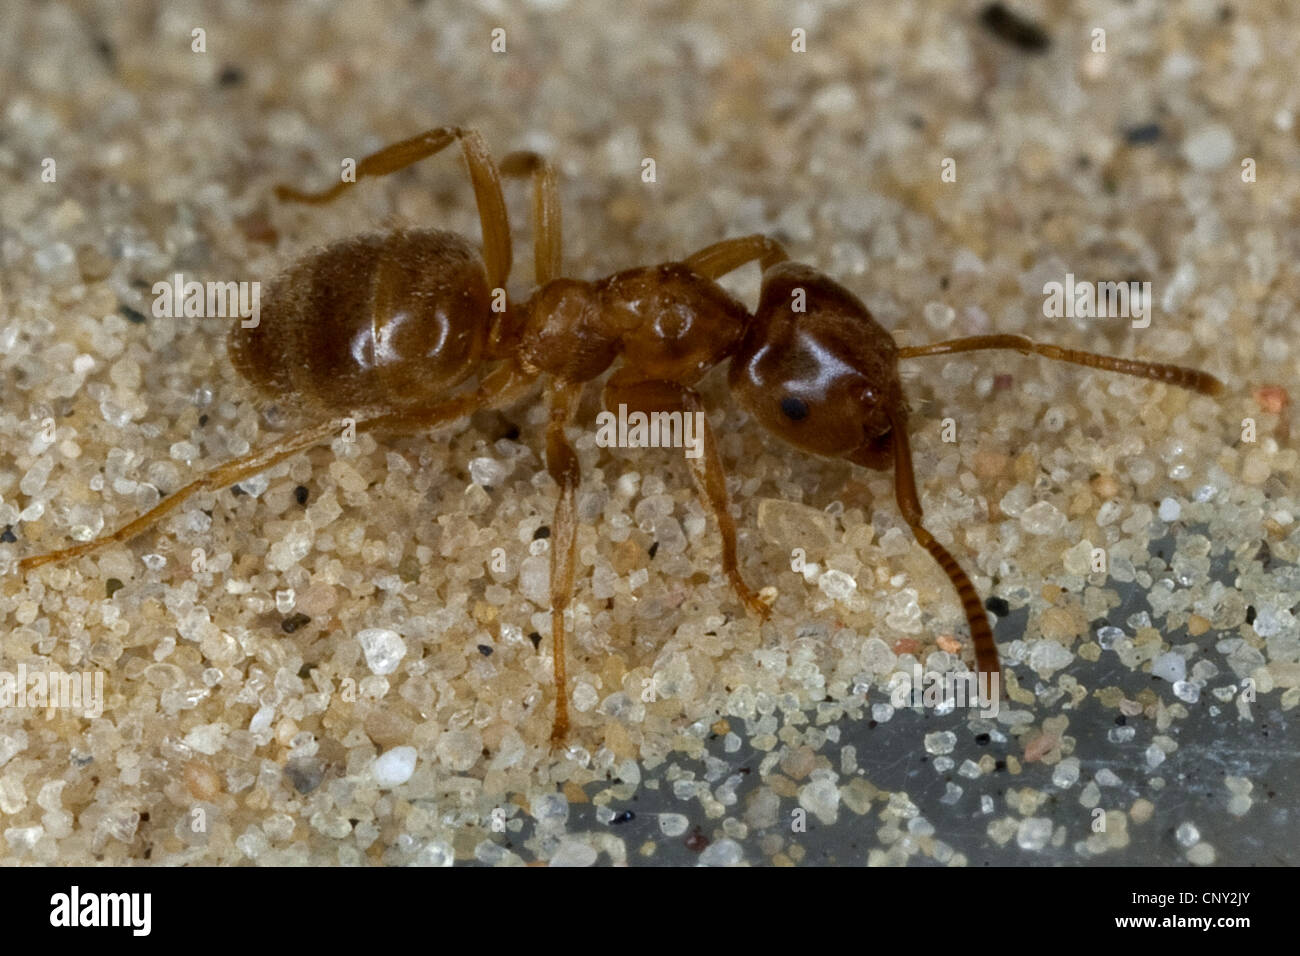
1194,379
223,476
482,173
547,255
986,650
730,254
657,395
497,388
562,464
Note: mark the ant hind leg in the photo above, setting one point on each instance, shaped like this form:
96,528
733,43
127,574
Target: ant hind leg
497,388
547,229
232,472
483,175
729,255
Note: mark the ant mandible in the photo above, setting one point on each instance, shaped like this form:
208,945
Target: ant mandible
382,328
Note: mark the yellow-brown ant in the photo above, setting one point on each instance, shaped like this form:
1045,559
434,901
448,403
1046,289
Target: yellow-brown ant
399,332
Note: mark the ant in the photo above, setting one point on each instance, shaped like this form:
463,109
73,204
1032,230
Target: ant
390,324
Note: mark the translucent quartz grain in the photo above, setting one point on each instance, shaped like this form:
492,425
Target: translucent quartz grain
383,649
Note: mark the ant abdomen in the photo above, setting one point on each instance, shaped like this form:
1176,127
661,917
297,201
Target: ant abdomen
390,321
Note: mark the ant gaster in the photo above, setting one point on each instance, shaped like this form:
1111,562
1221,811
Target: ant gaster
383,328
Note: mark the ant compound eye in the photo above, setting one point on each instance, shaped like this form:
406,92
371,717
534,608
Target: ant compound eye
794,409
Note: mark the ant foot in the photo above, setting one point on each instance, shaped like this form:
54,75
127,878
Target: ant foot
559,731
759,603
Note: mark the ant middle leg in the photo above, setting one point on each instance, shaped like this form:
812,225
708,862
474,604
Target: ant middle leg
497,388
657,395
1190,378
483,175
730,254
547,230
564,468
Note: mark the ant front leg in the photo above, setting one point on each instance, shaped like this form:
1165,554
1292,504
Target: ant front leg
909,503
483,175
657,395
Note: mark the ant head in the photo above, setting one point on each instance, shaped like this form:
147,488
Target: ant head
816,368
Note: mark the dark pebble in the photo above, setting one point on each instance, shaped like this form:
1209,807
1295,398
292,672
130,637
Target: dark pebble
304,773
106,52
1012,28
293,622
697,842
1142,134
